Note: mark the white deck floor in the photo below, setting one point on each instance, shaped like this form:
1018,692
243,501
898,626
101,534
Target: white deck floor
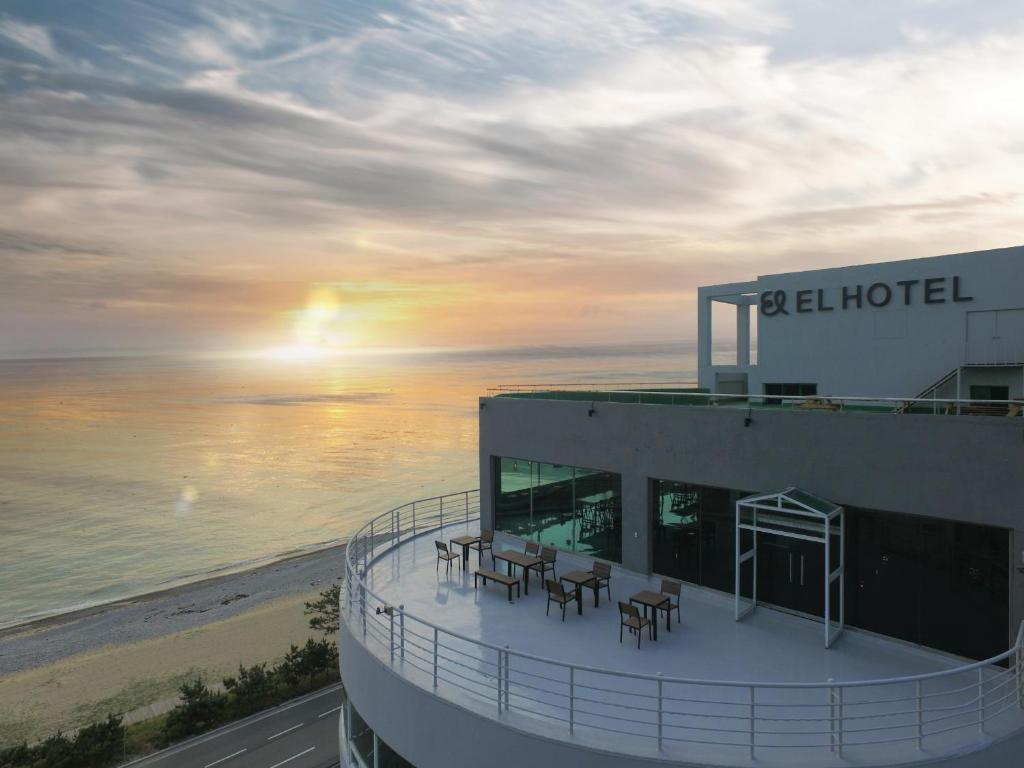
708,644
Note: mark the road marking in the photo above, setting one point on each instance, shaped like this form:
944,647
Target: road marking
325,714
293,757
230,728
233,754
282,733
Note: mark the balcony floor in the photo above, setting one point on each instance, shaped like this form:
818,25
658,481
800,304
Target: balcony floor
708,645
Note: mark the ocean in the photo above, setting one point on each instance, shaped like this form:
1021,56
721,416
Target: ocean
120,476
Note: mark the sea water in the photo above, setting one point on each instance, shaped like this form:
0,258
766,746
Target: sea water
120,476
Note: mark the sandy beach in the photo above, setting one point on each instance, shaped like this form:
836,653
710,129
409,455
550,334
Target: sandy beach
67,671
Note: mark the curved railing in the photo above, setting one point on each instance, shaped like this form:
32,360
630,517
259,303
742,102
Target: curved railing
942,712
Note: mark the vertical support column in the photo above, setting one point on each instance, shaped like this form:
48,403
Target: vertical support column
572,699
743,334
660,704
435,657
828,582
508,666
736,560
704,338
753,722
981,700
920,716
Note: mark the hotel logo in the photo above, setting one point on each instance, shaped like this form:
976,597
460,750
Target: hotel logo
930,290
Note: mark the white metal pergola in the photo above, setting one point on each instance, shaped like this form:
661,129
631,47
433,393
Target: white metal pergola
795,514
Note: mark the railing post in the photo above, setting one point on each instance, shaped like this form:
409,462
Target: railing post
362,607
391,633
1017,670
572,699
501,677
435,657
414,518
832,715
920,717
401,629
440,502
467,506
981,700
841,716
508,666
750,693
660,683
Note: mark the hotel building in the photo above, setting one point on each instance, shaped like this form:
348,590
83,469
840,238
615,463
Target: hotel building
841,501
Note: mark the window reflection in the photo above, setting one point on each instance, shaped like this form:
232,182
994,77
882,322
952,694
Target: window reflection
573,508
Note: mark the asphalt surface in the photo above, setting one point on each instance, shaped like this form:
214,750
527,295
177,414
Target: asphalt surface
300,734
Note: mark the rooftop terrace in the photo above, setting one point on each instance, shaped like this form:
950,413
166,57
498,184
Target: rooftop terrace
689,396
712,690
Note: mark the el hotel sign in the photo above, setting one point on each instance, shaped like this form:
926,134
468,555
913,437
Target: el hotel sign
930,290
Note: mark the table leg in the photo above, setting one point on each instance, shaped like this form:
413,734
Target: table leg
597,596
668,615
526,581
465,557
579,599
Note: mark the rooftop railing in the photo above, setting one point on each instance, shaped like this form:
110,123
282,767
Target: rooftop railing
941,712
688,396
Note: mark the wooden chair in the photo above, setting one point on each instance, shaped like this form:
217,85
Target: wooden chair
547,562
533,548
444,554
630,617
557,594
672,589
485,543
603,576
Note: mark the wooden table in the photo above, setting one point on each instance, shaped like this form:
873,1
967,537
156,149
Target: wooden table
654,600
523,560
581,579
464,542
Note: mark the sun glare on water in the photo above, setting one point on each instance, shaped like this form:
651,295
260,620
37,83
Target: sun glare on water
320,330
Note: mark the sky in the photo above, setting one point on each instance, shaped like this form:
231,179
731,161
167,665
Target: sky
224,176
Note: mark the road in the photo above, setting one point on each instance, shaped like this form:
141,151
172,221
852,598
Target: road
299,734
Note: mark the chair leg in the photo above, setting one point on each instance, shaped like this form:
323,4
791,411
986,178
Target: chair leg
563,611
620,633
638,635
548,611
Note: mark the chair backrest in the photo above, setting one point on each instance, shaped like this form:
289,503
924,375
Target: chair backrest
441,546
669,587
601,570
532,547
487,536
628,611
555,588
548,554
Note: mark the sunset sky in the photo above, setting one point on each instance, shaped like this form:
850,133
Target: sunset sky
242,176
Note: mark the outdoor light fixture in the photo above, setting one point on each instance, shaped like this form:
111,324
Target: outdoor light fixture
592,410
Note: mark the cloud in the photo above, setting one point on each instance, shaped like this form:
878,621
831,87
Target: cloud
629,150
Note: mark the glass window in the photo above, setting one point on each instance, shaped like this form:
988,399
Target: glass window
572,508
389,758
361,736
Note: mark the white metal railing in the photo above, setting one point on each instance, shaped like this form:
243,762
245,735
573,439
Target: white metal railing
943,405
943,711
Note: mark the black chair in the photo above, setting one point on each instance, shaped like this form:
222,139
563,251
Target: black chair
486,543
603,576
672,589
630,617
444,554
557,594
547,562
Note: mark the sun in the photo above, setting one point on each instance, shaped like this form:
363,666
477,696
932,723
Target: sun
321,329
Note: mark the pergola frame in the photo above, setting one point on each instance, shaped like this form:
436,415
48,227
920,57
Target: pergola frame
799,504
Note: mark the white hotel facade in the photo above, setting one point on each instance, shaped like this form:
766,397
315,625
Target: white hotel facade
842,505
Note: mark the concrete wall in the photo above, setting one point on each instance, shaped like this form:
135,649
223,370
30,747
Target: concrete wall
893,351
953,467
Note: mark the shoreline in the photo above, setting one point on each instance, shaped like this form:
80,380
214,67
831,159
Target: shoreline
209,579
65,671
